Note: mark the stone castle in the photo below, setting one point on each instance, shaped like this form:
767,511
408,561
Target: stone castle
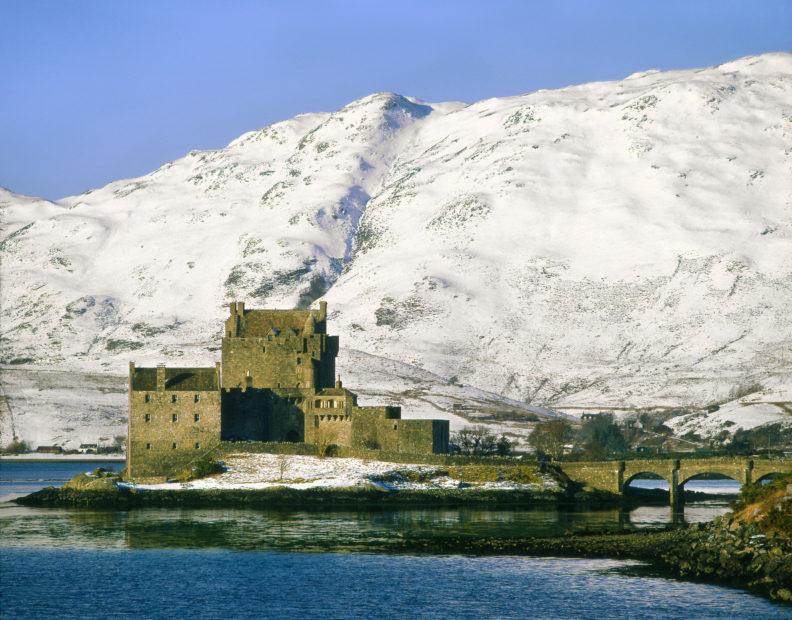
276,382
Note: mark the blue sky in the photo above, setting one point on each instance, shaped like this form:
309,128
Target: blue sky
96,91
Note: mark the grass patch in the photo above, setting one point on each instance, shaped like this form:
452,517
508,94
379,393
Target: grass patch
201,469
521,474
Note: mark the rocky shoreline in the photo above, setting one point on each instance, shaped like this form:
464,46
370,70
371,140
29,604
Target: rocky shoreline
125,498
713,553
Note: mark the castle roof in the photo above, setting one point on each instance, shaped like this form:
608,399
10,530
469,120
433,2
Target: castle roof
181,379
333,392
263,323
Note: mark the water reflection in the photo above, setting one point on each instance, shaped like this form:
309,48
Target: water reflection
721,486
246,529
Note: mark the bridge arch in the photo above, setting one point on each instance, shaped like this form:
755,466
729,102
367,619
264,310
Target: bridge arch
631,486
644,475
662,469
763,468
769,477
715,478
704,475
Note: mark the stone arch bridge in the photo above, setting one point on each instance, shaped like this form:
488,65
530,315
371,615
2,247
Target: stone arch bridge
614,476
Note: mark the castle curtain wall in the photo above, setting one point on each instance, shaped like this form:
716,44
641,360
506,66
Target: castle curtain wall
153,432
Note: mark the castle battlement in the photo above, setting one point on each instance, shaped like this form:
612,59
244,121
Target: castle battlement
276,381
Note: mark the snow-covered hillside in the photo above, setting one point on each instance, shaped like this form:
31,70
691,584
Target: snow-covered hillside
615,244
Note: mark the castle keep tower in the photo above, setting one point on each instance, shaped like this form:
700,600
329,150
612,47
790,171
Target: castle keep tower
278,349
276,383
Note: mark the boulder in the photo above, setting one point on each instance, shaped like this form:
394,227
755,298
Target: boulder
89,482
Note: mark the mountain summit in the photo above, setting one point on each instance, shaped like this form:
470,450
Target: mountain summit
613,244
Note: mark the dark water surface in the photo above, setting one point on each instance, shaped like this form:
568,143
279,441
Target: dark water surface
237,563
227,584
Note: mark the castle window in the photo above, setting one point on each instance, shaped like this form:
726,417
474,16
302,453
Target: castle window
197,417
197,445
394,427
299,360
148,446
147,417
174,417
196,398
173,398
147,398
318,404
173,446
263,349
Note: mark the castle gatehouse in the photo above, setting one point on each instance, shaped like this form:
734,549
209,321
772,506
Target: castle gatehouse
276,382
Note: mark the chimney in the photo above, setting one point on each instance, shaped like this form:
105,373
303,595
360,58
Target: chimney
218,376
160,377
322,310
338,382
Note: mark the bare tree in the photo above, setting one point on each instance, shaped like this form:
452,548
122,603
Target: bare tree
479,441
550,437
283,463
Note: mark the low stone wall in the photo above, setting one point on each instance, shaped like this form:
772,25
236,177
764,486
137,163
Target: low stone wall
307,449
429,459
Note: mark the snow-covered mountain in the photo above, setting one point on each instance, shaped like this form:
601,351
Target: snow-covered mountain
613,244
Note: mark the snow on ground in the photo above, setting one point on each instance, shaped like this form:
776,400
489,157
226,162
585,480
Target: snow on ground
615,244
731,417
263,471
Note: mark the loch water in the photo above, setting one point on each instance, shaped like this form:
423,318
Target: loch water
237,563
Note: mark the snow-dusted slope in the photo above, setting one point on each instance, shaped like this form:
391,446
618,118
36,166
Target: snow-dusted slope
619,244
